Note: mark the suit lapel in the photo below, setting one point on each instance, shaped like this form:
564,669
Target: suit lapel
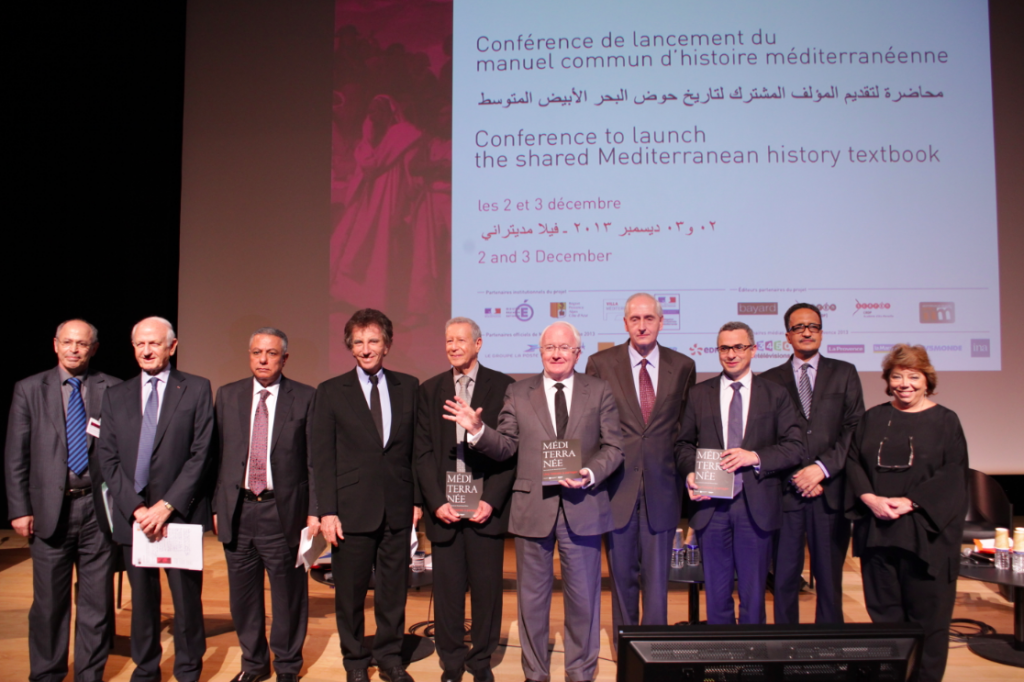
285,398
624,376
353,393
55,410
133,424
395,398
790,383
666,374
580,398
176,387
539,402
95,386
716,410
824,374
757,398
244,412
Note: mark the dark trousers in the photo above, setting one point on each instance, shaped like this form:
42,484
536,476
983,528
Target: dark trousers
474,561
828,536
260,545
77,541
898,589
189,630
352,564
638,559
732,544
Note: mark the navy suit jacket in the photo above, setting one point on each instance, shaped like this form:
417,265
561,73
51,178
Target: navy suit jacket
181,451
772,431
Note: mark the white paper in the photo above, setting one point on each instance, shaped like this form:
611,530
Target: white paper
182,548
310,548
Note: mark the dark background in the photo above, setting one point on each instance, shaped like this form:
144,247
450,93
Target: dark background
96,100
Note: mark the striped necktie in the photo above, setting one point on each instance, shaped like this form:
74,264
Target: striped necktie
78,443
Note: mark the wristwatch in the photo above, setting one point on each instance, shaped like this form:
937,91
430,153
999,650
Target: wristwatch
170,507
914,505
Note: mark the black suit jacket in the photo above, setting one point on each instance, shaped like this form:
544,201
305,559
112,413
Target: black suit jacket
436,445
836,408
356,477
289,455
181,450
649,448
36,453
772,431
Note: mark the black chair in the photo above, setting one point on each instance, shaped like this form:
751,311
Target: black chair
988,507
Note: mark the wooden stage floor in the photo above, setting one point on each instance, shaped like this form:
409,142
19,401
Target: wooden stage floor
976,600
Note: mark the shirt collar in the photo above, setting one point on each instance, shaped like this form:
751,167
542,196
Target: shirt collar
652,357
65,375
365,378
273,388
549,383
813,362
727,382
163,376
471,373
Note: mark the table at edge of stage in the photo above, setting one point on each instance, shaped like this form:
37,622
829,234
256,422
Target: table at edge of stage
1000,648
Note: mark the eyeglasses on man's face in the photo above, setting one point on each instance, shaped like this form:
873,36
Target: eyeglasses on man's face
564,348
739,348
801,328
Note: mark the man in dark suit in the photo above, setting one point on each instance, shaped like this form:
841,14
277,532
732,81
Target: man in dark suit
362,439
467,552
262,503
154,451
555,405
830,402
54,499
651,384
754,422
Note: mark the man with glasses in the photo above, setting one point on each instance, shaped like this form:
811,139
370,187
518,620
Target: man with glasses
755,424
829,401
555,405
54,499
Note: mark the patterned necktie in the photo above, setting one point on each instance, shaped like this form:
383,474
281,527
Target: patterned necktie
646,392
805,389
258,446
561,411
375,409
74,423
147,436
735,439
460,433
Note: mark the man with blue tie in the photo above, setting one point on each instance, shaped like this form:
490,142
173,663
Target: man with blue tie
54,498
154,451
753,420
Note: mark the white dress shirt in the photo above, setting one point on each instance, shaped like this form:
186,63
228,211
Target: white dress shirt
274,389
725,399
385,397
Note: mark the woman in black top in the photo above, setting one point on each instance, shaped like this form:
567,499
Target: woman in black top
907,477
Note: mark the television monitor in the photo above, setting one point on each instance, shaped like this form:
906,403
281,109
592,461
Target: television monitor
866,652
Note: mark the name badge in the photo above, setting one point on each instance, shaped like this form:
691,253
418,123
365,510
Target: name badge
93,427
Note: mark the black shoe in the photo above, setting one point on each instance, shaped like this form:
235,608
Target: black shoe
287,677
250,677
357,675
394,673
485,675
453,676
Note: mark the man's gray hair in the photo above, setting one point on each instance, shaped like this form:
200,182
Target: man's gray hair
464,320
577,339
167,323
95,332
657,304
271,331
737,326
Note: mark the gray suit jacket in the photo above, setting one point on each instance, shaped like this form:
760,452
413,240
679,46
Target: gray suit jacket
181,451
649,448
524,422
289,455
36,454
